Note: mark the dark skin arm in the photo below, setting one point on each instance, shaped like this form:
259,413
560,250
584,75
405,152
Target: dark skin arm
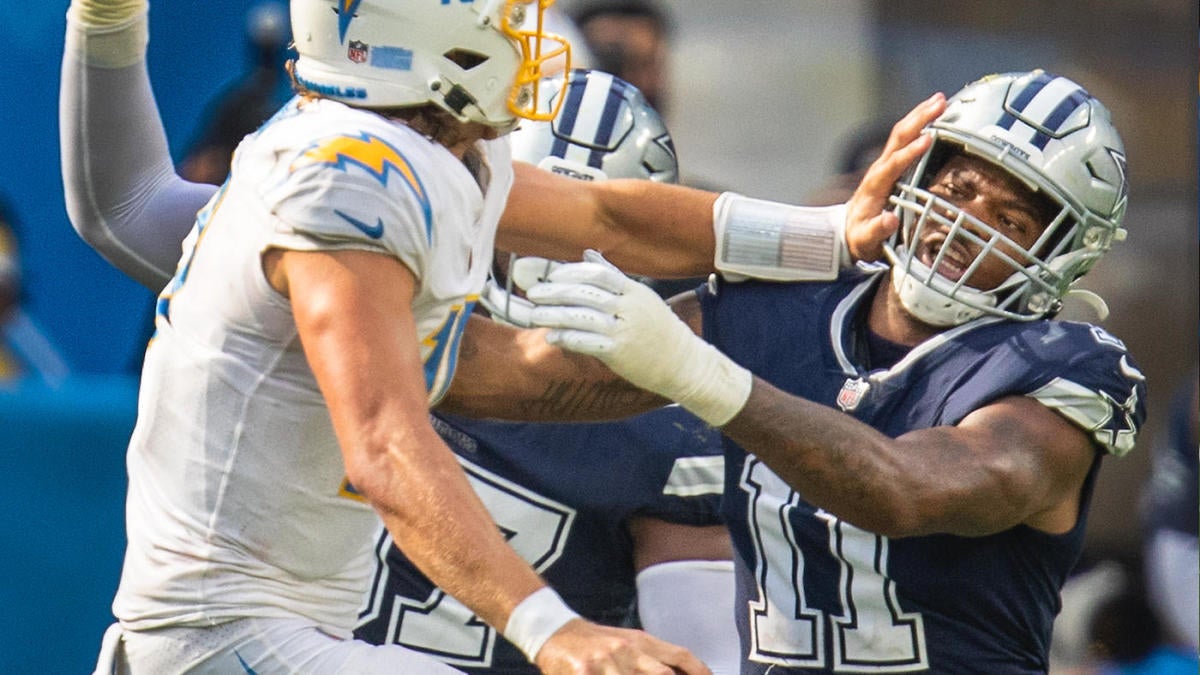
658,541
1011,462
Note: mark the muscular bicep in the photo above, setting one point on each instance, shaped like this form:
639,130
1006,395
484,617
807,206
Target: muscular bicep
1011,462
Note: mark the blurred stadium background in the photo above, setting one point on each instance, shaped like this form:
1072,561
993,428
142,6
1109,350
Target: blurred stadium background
762,98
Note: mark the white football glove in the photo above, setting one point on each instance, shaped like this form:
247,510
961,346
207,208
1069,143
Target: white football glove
592,308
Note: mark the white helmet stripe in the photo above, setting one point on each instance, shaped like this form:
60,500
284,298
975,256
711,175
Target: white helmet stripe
595,102
583,116
1043,106
608,118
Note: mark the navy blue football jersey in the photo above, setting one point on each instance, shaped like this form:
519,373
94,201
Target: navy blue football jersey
815,593
563,494
1171,496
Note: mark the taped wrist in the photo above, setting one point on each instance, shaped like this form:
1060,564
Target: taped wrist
108,35
778,242
535,619
717,388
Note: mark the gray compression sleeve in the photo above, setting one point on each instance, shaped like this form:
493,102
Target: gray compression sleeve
122,193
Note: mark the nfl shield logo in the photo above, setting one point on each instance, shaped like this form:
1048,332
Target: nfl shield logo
358,51
852,394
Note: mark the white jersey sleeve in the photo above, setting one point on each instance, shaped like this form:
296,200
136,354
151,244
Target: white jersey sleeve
354,189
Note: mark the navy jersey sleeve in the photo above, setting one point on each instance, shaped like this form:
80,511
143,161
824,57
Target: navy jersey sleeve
1087,376
1171,500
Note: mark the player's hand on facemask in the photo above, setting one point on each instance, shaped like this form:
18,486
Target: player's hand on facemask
868,221
592,308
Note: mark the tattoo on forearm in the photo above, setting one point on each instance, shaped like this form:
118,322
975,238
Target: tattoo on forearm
582,399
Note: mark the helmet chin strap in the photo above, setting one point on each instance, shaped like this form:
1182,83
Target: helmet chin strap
1092,300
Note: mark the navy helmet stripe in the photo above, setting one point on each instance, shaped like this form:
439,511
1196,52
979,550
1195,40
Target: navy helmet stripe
608,120
1023,99
1059,115
567,117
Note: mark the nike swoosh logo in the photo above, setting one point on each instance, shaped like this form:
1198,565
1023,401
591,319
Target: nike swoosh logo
373,231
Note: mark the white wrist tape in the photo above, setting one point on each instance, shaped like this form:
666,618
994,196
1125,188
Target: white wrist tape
779,242
112,37
535,619
717,387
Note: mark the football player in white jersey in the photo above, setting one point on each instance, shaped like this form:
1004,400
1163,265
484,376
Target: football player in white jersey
319,304
652,540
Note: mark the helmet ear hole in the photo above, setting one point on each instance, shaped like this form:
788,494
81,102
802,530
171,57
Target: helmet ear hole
465,58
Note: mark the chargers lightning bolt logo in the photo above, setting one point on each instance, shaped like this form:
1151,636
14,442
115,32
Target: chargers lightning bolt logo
375,156
345,11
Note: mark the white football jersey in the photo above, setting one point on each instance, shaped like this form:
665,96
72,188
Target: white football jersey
238,502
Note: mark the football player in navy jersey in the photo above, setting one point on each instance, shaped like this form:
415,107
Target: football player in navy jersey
1170,505
911,447
608,513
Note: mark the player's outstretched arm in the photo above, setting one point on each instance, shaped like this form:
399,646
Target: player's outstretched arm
1013,461
667,231
122,193
656,229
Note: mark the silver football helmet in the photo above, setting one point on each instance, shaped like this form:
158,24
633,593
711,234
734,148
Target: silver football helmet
481,61
1059,141
604,129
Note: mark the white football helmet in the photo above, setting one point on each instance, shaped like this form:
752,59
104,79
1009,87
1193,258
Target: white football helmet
472,59
604,129
1059,141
